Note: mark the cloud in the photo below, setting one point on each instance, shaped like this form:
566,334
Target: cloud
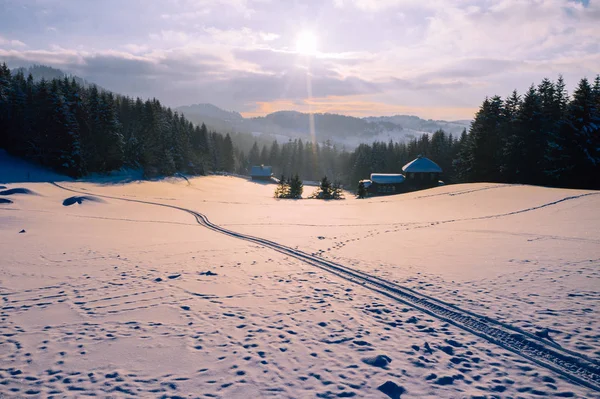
11,43
375,54
378,5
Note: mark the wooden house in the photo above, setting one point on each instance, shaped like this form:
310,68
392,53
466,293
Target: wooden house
422,173
261,172
385,183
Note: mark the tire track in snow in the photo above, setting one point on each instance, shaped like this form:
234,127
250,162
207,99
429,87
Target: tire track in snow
571,365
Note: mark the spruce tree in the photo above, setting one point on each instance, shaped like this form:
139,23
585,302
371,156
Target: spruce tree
254,155
531,144
264,156
512,145
228,154
274,154
283,188
296,187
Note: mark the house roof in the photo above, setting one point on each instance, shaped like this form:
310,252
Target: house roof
261,171
421,165
387,178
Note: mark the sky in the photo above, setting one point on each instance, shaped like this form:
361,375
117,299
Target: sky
435,59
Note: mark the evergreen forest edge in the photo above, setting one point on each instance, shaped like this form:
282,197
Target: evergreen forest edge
543,137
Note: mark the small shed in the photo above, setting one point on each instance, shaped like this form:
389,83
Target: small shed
422,172
261,172
385,183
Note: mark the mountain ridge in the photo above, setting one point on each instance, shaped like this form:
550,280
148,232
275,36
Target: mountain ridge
338,128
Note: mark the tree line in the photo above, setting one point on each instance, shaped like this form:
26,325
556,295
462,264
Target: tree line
543,137
314,161
79,129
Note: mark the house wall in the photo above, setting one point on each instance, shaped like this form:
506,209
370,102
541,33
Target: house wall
422,180
386,189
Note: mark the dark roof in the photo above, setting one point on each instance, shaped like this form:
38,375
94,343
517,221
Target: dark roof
421,165
261,171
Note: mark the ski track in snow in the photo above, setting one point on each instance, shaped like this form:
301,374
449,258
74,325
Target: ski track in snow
574,366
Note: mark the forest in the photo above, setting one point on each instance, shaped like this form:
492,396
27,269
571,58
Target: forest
543,137
79,129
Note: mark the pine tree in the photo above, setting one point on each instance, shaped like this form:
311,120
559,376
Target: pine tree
580,139
283,188
531,144
296,187
327,190
264,156
254,155
485,140
65,145
336,190
511,156
596,92
109,140
228,155
562,97
274,154
5,96
325,187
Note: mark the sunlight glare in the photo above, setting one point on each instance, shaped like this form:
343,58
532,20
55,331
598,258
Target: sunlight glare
306,43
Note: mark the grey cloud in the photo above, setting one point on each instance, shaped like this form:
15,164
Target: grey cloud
472,68
179,79
422,84
260,87
185,78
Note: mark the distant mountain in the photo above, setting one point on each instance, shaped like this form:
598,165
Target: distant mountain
341,129
424,125
211,111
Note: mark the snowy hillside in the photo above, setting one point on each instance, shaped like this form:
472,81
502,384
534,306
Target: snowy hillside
212,288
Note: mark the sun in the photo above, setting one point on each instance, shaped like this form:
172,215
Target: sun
306,43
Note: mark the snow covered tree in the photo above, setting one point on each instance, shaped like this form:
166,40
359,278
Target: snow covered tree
327,190
283,188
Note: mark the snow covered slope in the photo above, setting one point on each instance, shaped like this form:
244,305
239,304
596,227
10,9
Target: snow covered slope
127,289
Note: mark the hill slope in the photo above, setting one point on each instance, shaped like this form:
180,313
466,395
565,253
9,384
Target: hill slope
123,288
